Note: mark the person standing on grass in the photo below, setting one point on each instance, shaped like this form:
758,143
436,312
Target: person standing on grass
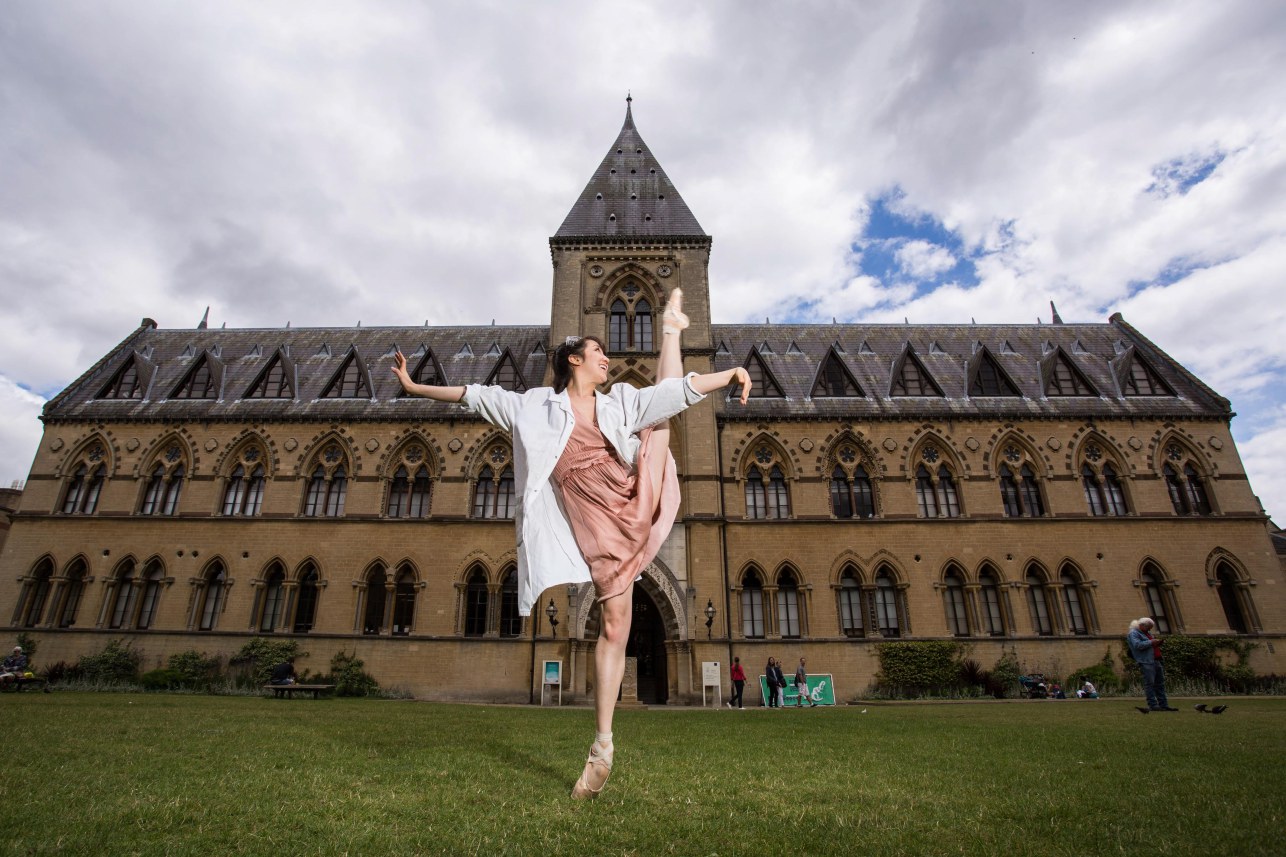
781,682
801,687
1146,650
596,484
738,676
770,679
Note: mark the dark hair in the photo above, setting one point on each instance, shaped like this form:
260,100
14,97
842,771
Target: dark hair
562,363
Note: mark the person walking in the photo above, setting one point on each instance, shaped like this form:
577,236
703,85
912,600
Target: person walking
1146,650
596,485
801,687
781,683
738,675
770,680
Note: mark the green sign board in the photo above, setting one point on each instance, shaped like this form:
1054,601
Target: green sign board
821,690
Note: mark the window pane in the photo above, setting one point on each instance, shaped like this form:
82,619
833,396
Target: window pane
752,611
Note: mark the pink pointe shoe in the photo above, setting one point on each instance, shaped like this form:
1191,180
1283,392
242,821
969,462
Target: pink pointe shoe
597,769
673,320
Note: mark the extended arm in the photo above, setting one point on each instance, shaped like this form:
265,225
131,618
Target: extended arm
426,391
706,384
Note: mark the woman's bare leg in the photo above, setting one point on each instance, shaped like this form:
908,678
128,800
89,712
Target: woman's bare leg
668,365
609,655
609,665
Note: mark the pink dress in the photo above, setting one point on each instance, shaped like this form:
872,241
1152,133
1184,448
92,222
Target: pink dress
618,524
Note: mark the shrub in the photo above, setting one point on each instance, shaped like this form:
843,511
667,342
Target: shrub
1004,676
117,662
916,668
259,656
1202,657
29,646
61,671
349,678
162,679
194,669
1102,675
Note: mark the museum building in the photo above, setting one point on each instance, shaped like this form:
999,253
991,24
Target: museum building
1018,488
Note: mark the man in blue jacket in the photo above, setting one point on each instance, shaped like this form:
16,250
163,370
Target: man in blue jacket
1146,650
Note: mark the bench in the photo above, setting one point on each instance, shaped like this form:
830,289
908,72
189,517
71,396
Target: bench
289,690
18,684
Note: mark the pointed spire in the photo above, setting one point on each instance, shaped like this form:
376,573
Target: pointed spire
629,195
1057,319
205,320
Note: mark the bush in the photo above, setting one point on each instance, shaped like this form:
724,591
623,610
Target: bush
163,679
917,668
1102,675
194,669
29,646
117,662
1004,676
61,671
1203,658
349,678
259,656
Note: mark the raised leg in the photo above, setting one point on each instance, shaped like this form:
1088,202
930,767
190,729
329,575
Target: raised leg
609,655
668,365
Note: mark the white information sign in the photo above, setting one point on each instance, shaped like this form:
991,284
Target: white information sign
711,677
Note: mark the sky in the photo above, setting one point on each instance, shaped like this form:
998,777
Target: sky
396,162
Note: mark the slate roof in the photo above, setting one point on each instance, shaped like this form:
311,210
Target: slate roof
313,357
794,355
629,196
949,353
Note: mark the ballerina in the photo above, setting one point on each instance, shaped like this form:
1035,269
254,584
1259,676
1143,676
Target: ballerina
607,457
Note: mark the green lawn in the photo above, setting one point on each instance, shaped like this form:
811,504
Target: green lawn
173,774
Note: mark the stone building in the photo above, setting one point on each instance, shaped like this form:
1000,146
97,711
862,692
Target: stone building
1024,488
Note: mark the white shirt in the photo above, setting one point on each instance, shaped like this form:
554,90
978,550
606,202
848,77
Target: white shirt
540,422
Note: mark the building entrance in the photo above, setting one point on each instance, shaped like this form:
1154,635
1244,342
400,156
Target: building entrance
647,643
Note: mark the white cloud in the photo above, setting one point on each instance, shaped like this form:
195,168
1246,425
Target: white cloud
403,161
924,259
1261,453
19,431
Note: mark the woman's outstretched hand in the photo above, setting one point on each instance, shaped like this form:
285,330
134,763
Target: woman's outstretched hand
742,377
399,369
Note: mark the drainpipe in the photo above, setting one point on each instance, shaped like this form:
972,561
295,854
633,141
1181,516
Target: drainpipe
723,532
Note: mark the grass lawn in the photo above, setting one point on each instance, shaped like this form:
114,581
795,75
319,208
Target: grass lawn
173,774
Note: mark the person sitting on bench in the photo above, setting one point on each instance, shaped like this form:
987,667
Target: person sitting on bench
13,667
283,673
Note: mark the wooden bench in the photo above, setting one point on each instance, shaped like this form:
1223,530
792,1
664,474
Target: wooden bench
19,683
289,690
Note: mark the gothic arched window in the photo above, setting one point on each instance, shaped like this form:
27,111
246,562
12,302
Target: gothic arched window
212,593
477,603
993,610
243,493
788,605
752,605
493,492
852,611
953,595
306,605
327,484
630,322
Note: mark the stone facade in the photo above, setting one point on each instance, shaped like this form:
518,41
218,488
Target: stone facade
1024,488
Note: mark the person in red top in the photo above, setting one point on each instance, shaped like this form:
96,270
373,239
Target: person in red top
738,684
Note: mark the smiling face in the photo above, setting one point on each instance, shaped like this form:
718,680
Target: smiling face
592,367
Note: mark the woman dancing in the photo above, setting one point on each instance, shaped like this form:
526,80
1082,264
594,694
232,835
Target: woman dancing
597,487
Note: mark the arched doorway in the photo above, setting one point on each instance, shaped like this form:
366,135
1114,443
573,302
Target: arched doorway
647,644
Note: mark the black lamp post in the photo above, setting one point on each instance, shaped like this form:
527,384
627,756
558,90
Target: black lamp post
552,612
710,611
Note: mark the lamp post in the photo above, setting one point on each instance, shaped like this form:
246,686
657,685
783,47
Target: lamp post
710,611
552,612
